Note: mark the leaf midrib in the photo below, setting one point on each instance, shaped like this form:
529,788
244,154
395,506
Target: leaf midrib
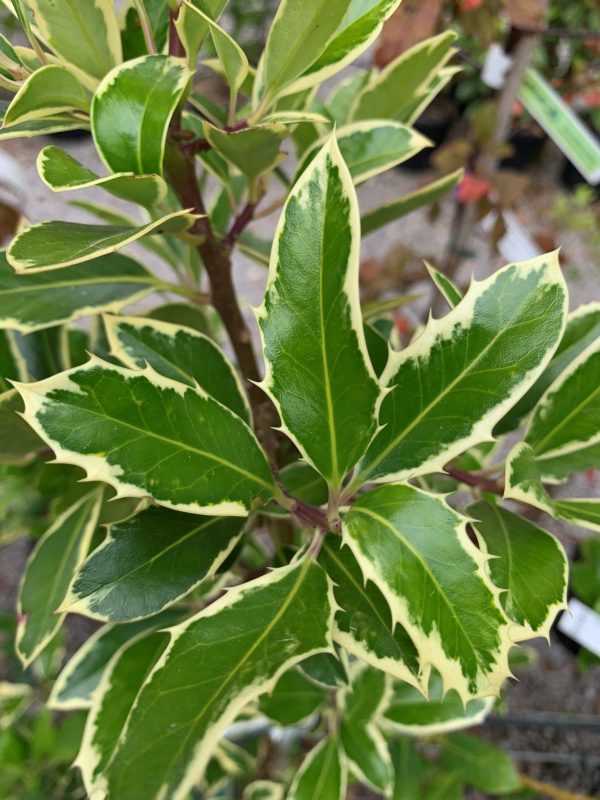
418,419
181,445
397,534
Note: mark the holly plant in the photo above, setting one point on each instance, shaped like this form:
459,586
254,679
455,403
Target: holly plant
277,536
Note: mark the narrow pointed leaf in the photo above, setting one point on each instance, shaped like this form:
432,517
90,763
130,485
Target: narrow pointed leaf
12,363
343,94
409,712
132,109
359,28
146,435
49,572
378,349
446,287
61,172
441,594
480,764
456,380
293,699
409,767
392,93
583,328
529,566
253,151
299,34
192,26
323,773
232,57
179,353
148,562
425,196
180,713
88,39
563,432
41,127
31,302
52,245
363,624
81,676
48,91
112,702
372,147
364,745
524,483
318,369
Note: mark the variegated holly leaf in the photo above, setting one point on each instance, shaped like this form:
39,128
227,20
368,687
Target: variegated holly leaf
399,89
359,28
49,572
364,624
364,745
524,483
81,676
179,353
318,370
563,432
49,91
583,328
148,562
323,773
430,193
55,244
299,34
372,147
112,702
325,670
414,547
61,172
294,698
409,712
179,714
452,384
31,302
88,40
132,109
147,435
528,564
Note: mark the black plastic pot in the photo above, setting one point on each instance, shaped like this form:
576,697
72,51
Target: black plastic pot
75,135
437,130
527,147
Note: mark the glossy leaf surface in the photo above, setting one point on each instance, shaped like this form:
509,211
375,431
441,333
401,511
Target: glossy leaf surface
318,369
147,435
61,172
415,549
179,353
48,91
369,148
31,302
148,562
529,565
458,378
364,625
49,572
238,640
253,151
52,245
88,39
132,109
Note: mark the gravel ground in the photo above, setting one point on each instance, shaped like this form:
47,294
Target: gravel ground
555,684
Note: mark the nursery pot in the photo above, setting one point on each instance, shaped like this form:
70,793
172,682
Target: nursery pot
527,147
435,123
